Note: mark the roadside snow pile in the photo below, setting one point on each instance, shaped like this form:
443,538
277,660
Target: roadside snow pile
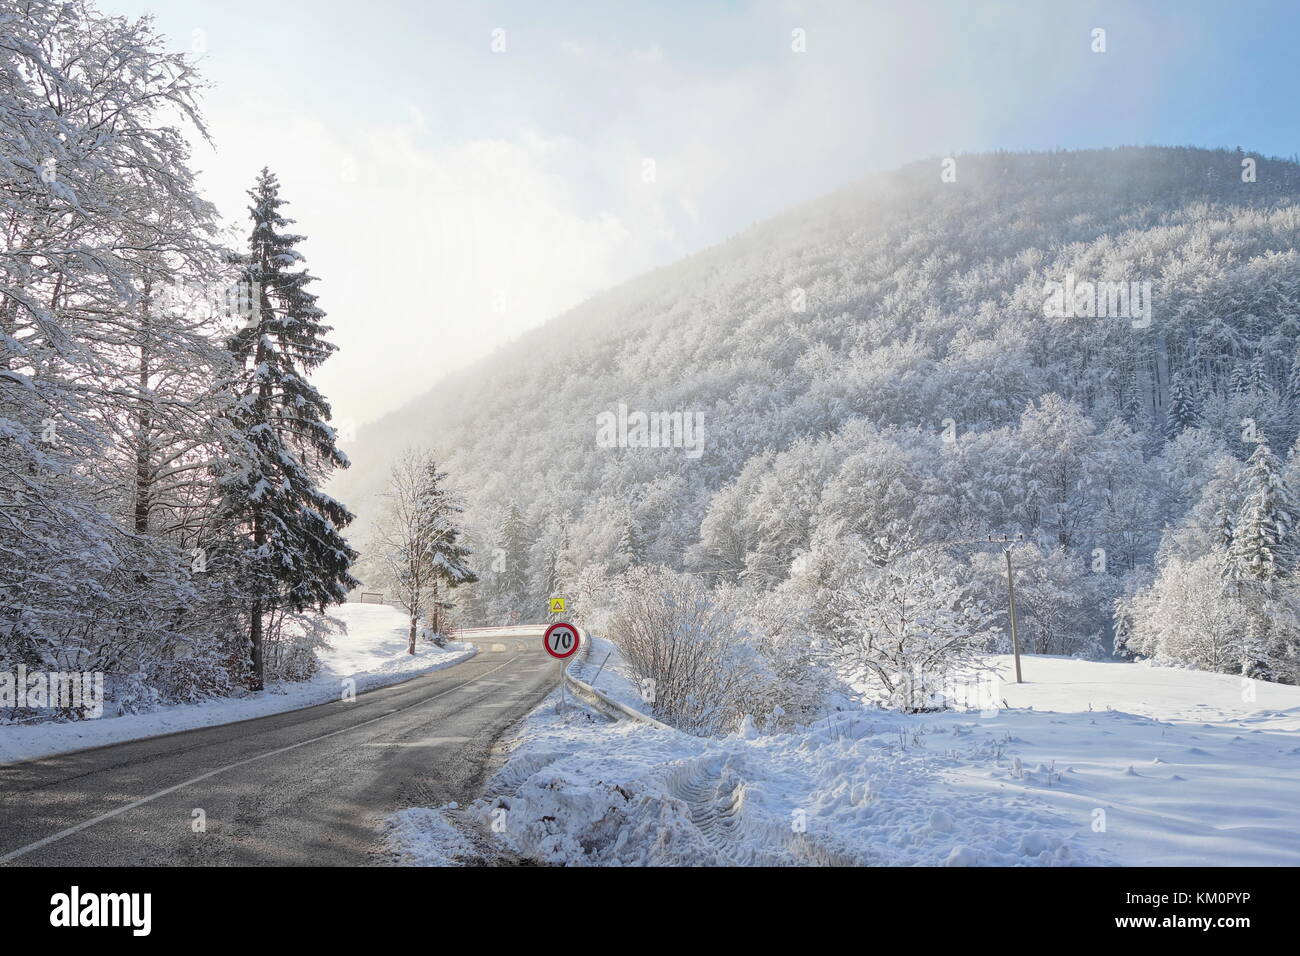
1183,771
866,790
372,652
423,837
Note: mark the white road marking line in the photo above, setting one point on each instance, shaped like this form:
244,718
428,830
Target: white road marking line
62,834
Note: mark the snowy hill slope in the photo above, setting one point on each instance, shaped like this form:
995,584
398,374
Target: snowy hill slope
1169,767
903,312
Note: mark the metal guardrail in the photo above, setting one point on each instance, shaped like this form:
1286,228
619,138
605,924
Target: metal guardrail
471,632
597,699
603,703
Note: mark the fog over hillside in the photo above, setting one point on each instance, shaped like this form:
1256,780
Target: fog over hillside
889,330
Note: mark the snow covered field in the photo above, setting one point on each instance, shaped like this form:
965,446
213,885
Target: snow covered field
1092,763
372,652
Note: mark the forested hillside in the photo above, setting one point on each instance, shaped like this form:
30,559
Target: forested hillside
888,372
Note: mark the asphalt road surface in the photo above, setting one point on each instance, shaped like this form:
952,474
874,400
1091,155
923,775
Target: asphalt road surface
309,787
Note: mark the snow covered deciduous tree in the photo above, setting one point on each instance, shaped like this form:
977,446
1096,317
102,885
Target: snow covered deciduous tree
416,542
107,421
1052,610
1188,618
398,545
908,626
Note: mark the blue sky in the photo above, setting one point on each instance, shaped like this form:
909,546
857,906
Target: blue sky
509,185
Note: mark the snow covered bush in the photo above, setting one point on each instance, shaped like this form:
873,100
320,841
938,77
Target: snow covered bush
796,674
698,670
135,693
185,680
191,679
291,643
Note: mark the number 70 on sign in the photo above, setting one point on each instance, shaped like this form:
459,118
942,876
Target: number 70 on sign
561,640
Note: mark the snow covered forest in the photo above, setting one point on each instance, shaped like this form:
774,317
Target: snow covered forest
1088,361
161,448
886,384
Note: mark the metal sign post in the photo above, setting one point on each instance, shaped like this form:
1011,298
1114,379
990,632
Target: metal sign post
561,641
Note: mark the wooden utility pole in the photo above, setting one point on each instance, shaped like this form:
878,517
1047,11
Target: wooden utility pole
1011,603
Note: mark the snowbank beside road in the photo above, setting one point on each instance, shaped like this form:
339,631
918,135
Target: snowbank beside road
372,652
423,837
1168,767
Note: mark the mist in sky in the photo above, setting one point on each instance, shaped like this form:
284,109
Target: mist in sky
466,171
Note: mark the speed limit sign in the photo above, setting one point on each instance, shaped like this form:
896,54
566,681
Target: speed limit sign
561,640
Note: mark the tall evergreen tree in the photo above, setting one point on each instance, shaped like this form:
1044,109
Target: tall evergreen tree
512,573
292,543
1293,393
631,543
553,565
548,579
1263,537
1293,379
1182,413
1257,378
1262,553
448,556
1239,381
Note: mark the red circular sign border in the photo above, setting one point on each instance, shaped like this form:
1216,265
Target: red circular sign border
546,640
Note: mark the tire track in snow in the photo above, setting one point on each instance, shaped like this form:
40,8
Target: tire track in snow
715,796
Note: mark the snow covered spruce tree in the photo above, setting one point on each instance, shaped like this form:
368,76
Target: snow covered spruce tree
551,561
1181,413
1261,560
510,564
448,555
290,544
